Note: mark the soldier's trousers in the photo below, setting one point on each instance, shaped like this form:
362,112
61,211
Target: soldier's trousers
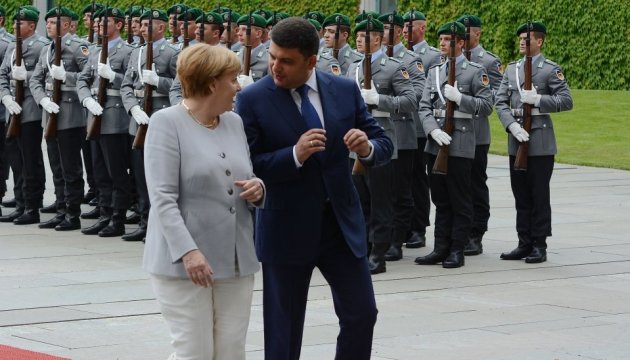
452,196
52,149
480,192
532,196
69,143
10,159
420,190
403,197
137,163
33,173
379,182
110,159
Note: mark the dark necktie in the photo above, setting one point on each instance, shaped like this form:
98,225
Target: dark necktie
308,110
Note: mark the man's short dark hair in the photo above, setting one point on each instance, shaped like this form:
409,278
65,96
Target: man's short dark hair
296,33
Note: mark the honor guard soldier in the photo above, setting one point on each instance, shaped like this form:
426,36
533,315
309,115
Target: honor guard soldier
451,191
230,19
347,55
70,132
530,185
88,12
265,14
173,24
132,92
390,93
405,124
274,19
258,65
325,61
135,24
481,194
190,16
110,148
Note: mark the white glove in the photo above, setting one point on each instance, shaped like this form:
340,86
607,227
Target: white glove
58,72
440,137
93,106
13,107
105,71
452,93
49,106
519,133
150,77
371,96
530,97
244,80
139,115
19,72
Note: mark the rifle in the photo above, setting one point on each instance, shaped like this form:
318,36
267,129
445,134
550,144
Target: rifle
202,29
247,55
129,32
390,40
228,37
51,126
441,161
336,43
142,37
520,163
358,168
91,29
175,39
141,133
186,36
15,121
94,131
467,52
410,29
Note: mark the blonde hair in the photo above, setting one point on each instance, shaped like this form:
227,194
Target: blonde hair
200,65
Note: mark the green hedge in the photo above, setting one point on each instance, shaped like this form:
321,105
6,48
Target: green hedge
588,38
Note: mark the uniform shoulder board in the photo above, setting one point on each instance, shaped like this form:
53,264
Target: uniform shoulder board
433,49
491,54
551,62
325,55
411,52
356,53
42,39
174,46
392,59
472,63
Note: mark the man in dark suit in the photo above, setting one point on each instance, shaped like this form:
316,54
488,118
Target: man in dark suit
301,125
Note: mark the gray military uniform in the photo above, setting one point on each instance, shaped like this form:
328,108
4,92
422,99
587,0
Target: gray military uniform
74,57
132,87
492,64
347,56
429,55
327,63
476,101
115,119
259,61
5,40
549,81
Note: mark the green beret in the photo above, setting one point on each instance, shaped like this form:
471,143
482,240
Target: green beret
221,9
26,15
446,28
210,17
364,16
74,16
389,18
537,26
233,15
31,8
156,14
111,12
276,17
332,20
136,11
315,23
414,15
88,8
176,9
264,13
53,12
316,15
257,20
473,20
375,25
193,14
3,12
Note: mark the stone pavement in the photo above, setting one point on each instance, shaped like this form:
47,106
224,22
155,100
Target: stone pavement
85,297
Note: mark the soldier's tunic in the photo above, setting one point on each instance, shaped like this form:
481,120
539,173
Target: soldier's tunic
481,194
347,56
30,139
132,93
236,47
259,61
327,63
531,187
110,151
396,95
71,119
451,193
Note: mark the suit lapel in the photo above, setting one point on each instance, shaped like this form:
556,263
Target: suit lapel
287,108
328,97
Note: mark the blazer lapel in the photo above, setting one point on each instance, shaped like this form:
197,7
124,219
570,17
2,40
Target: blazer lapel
288,109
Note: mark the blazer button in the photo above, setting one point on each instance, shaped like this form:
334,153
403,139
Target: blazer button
222,155
232,210
228,172
230,191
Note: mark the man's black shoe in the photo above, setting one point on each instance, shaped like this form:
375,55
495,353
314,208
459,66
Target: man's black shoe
473,248
96,227
69,223
538,255
93,202
377,267
52,223
134,218
432,259
454,260
27,218
50,209
9,203
137,235
416,240
92,214
89,195
394,253
113,229
517,254
12,216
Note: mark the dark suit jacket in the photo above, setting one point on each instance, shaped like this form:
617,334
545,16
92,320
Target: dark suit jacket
289,224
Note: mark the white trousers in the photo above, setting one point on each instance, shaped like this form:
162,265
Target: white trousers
206,323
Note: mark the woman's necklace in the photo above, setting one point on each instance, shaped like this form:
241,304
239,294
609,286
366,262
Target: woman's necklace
212,125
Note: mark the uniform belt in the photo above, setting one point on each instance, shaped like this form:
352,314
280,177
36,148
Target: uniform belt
380,114
441,113
140,94
49,87
519,112
108,92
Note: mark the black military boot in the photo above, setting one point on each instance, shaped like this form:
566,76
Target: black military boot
394,253
50,209
440,253
71,221
376,262
116,226
139,234
101,223
92,214
9,203
52,223
13,215
539,251
416,240
89,195
29,216
473,246
524,248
